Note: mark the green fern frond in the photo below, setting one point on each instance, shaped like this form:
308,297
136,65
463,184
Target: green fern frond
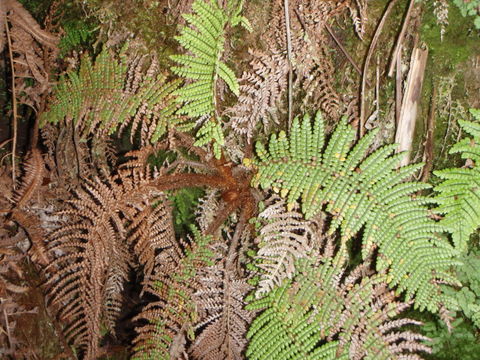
110,94
317,315
362,191
76,33
459,193
174,313
204,38
211,132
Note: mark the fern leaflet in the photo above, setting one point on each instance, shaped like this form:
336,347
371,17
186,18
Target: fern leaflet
174,314
109,94
204,38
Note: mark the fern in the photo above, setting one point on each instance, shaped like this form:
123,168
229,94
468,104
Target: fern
321,314
283,238
108,222
223,319
76,33
204,38
174,314
459,193
111,94
361,191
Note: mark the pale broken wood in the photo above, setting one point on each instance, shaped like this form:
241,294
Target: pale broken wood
408,113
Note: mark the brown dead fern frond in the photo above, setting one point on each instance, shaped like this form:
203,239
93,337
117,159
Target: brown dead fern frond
166,323
263,86
284,237
110,228
34,170
223,321
31,47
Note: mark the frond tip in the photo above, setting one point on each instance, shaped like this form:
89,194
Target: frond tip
204,38
362,191
171,318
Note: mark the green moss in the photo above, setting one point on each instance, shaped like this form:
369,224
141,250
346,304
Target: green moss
146,19
460,40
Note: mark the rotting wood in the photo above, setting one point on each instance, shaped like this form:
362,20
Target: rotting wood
408,113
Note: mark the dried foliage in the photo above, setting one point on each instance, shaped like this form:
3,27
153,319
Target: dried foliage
108,221
32,48
170,318
284,237
223,320
262,87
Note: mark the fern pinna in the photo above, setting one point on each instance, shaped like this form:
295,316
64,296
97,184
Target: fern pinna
109,225
324,314
362,191
204,38
459,192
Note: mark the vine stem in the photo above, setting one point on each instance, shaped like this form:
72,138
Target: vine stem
290,71
373,44
14,104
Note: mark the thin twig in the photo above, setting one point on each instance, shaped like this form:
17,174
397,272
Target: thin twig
373,44
344,51
14,103
290,71
377,87
400,38
3,143
232,250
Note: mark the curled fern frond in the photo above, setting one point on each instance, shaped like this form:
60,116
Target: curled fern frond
362,191
459,192
323,314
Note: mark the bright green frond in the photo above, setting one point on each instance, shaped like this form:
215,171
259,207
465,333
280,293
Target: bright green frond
361,191
459,193
204,38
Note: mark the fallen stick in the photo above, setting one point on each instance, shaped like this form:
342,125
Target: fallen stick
408,113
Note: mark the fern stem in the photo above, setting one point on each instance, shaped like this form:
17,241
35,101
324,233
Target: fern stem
14,103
